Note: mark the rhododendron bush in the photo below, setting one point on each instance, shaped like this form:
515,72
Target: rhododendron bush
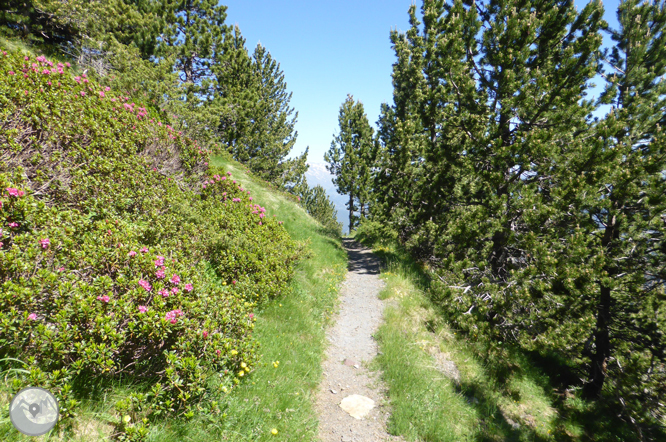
121,252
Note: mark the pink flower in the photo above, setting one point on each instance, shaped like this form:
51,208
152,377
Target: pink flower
32,316
61,269
13,224
11,73
205,334
250,198
251,315
104,298
67,64
229,173
144,250
218,352
107,88
160,274
159,261
143,308
46,72
174,290
21,193
164,293
233,282
83,94
175,279
45,243
173,315
188,287
223,178
132,253
145,285
26,58
12,191
101,94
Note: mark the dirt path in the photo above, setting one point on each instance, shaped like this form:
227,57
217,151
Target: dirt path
351,348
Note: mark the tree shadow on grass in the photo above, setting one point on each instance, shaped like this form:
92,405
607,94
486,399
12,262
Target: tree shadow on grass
575,419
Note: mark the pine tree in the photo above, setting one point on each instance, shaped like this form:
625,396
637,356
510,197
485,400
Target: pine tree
609,238
193,32
236,90
263,131
399,178
349,156
320,207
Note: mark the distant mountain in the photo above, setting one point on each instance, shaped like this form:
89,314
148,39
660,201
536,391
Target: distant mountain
318,175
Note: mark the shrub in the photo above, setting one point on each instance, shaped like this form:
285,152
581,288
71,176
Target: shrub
115,258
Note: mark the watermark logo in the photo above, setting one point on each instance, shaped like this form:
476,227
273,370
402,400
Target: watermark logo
34,411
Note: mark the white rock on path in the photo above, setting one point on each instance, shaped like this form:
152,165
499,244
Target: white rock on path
357,406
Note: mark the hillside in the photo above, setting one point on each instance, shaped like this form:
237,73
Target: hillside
135,266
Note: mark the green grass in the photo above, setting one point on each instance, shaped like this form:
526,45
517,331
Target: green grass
502,393
510,401
290,329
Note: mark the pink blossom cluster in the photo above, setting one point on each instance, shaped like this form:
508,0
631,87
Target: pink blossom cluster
141,112
32,316
175,279
44,243
159,262
258,209
143,308
173,315
15,192
104,298
145,285
236,200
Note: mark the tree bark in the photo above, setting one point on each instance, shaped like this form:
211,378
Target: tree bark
351,211
597,373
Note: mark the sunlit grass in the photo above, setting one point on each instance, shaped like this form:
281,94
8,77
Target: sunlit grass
277,394
432,401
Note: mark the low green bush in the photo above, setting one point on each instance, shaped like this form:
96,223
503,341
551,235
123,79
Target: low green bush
119,255
373,232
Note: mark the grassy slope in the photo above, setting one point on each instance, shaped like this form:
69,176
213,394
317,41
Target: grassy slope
509,401
290,330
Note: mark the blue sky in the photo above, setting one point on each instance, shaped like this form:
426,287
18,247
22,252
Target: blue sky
330,49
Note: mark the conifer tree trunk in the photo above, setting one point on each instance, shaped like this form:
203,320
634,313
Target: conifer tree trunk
597,371
351,211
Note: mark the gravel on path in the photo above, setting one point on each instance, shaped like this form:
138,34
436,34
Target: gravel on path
351,348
